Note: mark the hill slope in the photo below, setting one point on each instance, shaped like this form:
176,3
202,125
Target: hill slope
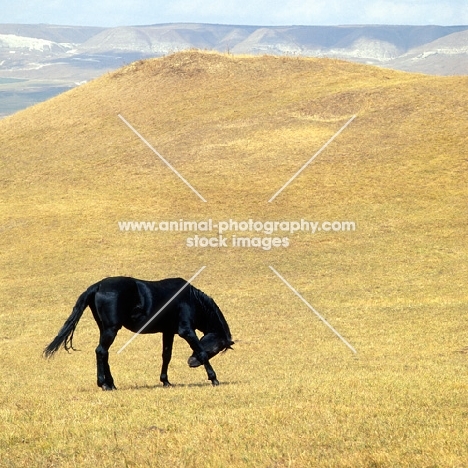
41,61
237,129
375,43
444,56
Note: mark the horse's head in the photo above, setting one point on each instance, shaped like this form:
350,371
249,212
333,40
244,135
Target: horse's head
212,344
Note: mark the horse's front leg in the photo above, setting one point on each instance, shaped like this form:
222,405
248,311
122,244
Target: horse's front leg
188,334
167,342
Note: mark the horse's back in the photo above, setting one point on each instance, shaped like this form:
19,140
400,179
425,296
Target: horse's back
116,283
124,282
166,287
171,293
131,302
119,289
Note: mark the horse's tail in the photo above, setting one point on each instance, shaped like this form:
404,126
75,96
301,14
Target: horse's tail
65,335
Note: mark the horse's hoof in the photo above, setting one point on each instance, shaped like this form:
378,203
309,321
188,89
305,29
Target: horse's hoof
167,384
215,383
108,388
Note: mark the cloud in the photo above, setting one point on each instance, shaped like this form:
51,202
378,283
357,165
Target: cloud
275,12
411,12
260,12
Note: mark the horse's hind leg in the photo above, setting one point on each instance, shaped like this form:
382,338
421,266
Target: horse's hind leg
104,376
168,341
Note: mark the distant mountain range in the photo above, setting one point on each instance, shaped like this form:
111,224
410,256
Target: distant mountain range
38,61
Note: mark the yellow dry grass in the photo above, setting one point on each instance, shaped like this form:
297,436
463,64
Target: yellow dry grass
291,394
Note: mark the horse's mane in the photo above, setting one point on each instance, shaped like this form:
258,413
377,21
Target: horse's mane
210,306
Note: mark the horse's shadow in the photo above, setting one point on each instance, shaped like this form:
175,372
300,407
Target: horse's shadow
173,386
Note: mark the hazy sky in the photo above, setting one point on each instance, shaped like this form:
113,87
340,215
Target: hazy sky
245,12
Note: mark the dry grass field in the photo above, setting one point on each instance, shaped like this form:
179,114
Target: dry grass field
291,394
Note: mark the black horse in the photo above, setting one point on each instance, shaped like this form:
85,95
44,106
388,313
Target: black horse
170,306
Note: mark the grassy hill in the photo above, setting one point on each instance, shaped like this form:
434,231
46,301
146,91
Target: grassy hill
237,128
